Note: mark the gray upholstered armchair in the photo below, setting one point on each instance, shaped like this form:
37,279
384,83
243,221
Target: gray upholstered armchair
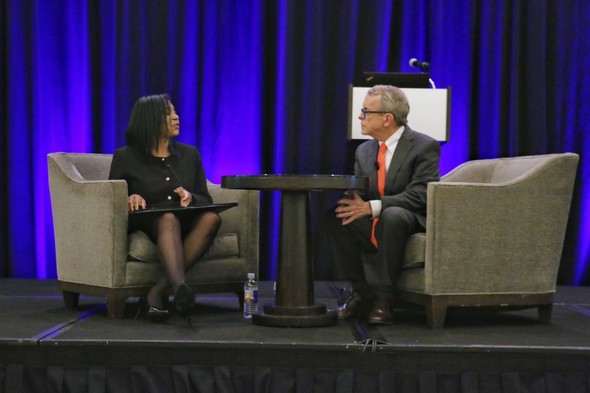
494,236
95,255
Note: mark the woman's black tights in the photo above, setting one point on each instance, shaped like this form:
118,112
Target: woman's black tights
176,255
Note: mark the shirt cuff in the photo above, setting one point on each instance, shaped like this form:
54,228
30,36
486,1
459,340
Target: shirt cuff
375,208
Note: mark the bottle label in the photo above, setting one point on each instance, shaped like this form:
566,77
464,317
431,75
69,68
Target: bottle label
251,295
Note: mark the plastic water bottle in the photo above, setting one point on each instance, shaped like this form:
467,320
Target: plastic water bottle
250,296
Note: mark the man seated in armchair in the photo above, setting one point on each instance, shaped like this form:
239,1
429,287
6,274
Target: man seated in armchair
400,163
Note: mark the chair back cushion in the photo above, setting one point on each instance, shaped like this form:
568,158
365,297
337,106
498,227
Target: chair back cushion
497,170
81,166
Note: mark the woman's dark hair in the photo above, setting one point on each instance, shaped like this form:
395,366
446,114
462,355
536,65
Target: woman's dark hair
148,117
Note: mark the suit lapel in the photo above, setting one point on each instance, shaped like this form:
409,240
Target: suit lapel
373,181
404,145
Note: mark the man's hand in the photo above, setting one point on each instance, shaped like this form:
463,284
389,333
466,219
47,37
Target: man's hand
352,208
135,202
185,196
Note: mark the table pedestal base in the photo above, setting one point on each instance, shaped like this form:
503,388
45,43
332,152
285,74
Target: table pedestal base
294,304
312,316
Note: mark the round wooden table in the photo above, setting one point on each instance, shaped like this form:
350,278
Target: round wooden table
294,304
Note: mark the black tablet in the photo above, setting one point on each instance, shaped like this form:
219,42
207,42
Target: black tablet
192,209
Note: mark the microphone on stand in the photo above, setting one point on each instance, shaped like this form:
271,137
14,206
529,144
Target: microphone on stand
424,66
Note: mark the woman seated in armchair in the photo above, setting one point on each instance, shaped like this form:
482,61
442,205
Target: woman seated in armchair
162,172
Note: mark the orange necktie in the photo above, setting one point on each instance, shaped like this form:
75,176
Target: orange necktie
380,185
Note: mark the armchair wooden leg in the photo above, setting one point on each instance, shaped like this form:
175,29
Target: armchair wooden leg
545,313
436,311
116,306
71,298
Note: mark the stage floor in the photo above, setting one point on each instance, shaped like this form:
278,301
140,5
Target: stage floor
32,313
38,332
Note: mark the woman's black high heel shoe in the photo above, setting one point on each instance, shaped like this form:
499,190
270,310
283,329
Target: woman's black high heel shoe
184,301
154,313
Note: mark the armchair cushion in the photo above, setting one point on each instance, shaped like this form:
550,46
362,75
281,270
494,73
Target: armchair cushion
141,247
414,255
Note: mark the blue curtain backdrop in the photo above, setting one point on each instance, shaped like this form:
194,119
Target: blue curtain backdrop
261,86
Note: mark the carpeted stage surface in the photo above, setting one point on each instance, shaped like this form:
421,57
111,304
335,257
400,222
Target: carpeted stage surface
45,347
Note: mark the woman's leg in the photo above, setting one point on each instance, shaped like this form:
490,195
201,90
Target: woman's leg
167,233
175,257
199,238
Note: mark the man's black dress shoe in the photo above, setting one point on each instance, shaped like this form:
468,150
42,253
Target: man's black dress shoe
354,307
381,313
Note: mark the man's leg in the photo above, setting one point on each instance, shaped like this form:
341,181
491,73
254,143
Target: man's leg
347,242
395,225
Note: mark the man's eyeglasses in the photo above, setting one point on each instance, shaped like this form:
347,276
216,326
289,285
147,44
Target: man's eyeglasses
364,113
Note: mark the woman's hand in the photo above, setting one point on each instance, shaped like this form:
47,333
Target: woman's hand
135,202
185,196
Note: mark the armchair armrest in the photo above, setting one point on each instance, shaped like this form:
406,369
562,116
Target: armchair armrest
483,238
243,220
90,225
